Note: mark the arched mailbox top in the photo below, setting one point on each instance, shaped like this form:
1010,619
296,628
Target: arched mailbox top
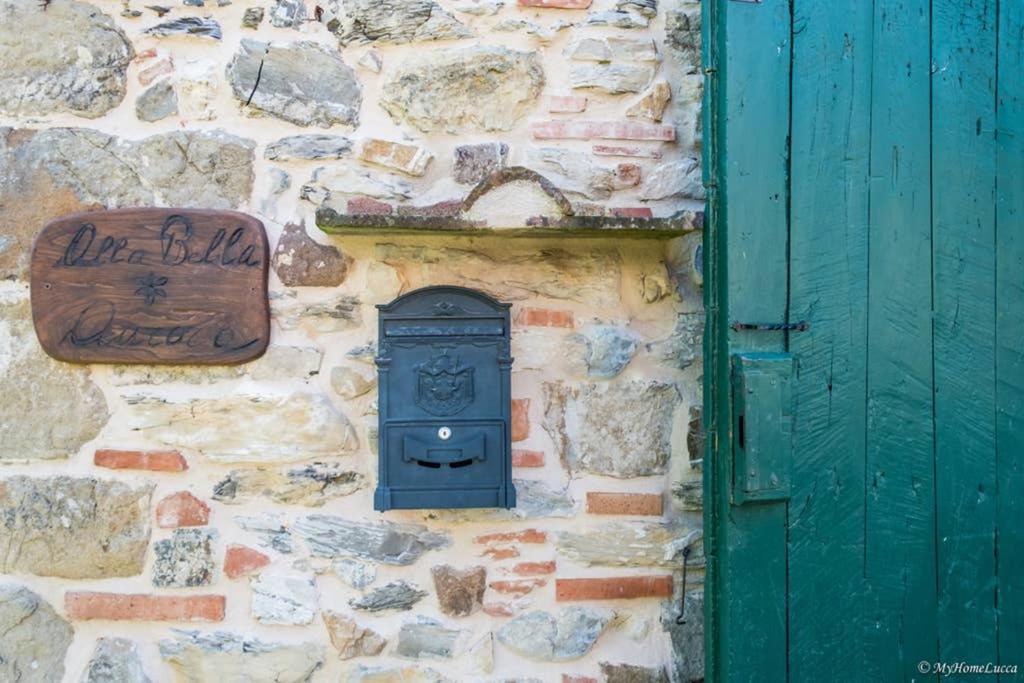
443,311
445,301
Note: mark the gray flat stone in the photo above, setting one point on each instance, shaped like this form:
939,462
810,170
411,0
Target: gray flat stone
392,21
302,82
308,147
386,542
115,660
396,595
33,637
49,75
157,102
567,635
200,27
73,528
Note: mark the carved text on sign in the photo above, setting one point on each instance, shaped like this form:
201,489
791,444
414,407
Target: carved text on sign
152,286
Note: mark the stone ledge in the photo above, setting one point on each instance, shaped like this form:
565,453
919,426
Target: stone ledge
334,223
367,216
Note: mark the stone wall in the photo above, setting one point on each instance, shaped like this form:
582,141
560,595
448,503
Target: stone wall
200,524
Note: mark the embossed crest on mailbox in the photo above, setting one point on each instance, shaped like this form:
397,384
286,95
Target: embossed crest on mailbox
445,401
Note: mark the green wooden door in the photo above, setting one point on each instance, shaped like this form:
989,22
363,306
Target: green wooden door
865,172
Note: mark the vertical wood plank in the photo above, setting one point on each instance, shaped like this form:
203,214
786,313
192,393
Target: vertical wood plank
1010,330
900,606
753,110
963,165
831,95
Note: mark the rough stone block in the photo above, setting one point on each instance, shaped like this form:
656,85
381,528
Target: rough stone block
73,528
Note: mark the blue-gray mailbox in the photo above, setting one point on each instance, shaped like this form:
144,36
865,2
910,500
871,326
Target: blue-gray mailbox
445,401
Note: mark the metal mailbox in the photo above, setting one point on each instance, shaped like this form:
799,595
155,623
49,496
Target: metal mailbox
444,364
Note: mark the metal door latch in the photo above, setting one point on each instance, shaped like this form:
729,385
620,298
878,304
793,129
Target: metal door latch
681,619
801,326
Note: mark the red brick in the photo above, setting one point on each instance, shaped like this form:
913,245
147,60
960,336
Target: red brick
520,419
498,609
624,503
524,458
534,568
517,586
614,588
446,209
155,461
572,129
181,509
569,678
502,553
240,560
524,536
622,151
545,317
368,206
156,70
143,607
567,104
628,174
555,4
632,212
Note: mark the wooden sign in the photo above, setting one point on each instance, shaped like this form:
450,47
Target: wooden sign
152,286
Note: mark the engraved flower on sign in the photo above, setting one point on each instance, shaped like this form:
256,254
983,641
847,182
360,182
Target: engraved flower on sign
150,287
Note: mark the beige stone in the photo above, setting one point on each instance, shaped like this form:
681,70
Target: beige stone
74,528
349,638
310,485
245,428
80,66
463,89
229,657
627,544
590,276
618,429
652,103
349,383
383,283
333,313
409,159
49,409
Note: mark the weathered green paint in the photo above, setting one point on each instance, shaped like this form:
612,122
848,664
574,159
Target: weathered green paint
963,224
751,63
877,150
1009,337
899,562
828,275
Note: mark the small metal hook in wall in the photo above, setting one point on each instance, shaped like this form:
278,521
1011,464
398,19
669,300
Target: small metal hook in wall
681,619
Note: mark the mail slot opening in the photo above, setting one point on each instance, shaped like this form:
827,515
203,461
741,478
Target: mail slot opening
444,405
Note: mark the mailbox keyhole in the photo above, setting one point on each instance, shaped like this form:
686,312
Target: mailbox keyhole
444,433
